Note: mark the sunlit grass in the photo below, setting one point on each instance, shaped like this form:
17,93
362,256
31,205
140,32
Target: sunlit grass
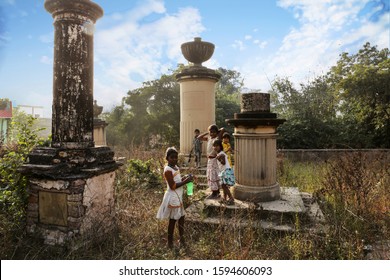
139,235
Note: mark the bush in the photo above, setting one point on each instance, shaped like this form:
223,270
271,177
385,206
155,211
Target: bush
143,173
356,191
13,185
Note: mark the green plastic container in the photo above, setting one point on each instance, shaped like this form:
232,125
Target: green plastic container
190,188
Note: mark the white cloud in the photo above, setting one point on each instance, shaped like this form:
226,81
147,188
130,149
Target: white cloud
261,44
327,28
46,60
47,38
238,44
248,37
135,50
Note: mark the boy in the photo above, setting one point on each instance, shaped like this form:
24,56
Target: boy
197,148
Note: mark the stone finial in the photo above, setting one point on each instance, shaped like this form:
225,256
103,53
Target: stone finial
197,51
97,110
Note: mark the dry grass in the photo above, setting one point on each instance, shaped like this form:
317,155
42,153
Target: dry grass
139,235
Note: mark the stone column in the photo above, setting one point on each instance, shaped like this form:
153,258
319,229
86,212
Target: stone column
255,149
73,71
71,183
197,92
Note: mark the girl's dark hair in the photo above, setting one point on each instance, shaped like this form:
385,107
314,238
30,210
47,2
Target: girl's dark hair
218,142
213,127
170,151
226,135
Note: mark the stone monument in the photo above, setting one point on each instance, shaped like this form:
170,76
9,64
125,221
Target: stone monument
255,149
99,126
197,92
71,183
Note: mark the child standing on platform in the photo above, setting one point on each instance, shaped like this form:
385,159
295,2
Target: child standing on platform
197,147
226,174
227,148
172,207
212,165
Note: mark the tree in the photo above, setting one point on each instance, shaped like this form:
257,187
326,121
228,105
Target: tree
361,82
310,113
227,99
150,115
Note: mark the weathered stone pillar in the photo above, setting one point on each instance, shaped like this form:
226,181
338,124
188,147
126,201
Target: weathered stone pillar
71,183
255,149
73,71
197,92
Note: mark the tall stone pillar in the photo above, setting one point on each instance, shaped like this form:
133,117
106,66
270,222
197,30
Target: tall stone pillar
73,72
255,149
71,183
197,92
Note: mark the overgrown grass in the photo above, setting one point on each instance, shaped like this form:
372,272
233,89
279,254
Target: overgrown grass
139,235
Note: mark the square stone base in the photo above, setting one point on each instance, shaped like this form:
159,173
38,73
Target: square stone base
62,210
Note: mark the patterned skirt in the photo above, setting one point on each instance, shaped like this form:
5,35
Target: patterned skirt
212,174
227,177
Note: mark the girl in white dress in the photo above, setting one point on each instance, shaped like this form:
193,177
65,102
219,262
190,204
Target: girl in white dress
212,166
172,205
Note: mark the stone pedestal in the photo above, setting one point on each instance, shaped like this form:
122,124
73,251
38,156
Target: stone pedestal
99,126
99,132
197,92
71,183
255,149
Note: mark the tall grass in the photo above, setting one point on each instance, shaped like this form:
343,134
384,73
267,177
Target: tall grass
352,219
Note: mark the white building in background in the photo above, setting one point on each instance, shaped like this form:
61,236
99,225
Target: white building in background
41,122
35,111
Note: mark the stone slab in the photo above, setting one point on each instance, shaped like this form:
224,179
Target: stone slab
267,215
290,202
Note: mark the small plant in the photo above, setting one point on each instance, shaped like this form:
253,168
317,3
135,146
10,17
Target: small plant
12,184
143,173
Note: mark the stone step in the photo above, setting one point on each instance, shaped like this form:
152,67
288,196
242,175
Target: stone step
280,215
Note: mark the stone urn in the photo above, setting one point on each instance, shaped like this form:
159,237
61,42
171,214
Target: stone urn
197,51
97,110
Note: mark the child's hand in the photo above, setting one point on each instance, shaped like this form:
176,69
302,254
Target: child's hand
188,178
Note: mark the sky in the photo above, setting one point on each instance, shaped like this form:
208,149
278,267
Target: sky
139,40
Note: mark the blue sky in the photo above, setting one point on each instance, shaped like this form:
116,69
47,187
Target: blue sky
137,41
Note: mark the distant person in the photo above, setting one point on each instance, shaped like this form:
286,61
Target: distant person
197,148
227,148
172,207
212,165
226,174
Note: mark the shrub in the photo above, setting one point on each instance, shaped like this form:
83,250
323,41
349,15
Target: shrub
143,173
13,193
356,191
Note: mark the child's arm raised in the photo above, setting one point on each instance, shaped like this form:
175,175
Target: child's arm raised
221,131
202,136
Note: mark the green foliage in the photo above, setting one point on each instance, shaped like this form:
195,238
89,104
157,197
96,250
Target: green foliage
310,114
143,173
12,184
361,82
349,106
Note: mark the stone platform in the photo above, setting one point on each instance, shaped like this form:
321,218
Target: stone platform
279,215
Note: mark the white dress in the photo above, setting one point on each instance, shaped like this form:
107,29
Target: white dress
172,205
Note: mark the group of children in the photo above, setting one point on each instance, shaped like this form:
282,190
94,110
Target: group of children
219,175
